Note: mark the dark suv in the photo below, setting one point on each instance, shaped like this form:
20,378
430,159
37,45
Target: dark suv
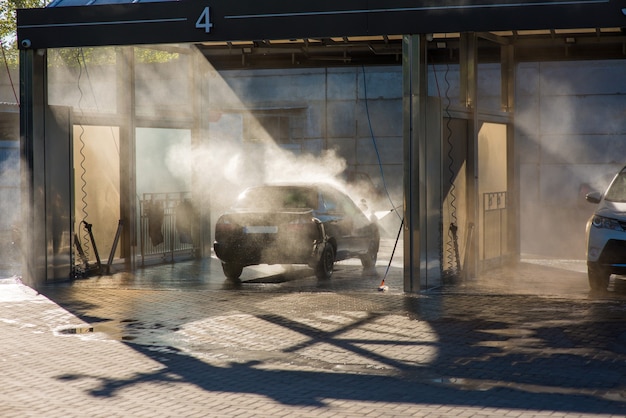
313,224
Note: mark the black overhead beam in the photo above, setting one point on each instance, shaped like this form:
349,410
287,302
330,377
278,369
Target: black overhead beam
378,51
230,20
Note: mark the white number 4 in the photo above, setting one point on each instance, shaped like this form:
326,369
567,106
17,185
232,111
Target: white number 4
204,21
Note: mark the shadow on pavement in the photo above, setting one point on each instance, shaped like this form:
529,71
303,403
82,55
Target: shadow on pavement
306,388
301,346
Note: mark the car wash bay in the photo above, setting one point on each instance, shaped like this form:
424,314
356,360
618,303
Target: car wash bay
87,158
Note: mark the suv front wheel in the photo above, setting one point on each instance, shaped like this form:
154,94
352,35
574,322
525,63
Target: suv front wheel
232,271
324,267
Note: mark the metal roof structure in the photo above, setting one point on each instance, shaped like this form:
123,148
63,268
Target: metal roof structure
287,34
70,3
276,34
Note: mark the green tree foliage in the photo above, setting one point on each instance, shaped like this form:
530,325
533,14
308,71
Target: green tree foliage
77,57
70,56
8,24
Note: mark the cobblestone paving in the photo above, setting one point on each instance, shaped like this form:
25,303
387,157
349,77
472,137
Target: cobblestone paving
176,341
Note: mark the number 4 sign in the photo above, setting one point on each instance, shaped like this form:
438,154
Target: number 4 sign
204,21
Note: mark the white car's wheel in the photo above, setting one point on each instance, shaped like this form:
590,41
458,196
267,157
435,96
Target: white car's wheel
598,278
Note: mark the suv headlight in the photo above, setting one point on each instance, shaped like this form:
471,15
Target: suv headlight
606,223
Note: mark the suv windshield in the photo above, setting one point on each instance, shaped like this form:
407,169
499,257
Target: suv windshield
617,190
277,197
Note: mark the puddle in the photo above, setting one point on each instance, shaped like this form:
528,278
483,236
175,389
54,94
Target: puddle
75,330
125,330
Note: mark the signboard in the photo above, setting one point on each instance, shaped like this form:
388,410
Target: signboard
228,20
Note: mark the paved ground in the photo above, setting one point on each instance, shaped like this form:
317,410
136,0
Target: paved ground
179,341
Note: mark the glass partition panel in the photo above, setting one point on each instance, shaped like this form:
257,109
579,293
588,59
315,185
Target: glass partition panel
96,188
163,173
83,78
492,191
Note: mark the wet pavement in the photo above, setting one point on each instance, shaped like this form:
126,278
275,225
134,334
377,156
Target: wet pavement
177,340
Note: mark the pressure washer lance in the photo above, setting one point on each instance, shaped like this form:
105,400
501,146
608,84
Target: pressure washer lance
383,287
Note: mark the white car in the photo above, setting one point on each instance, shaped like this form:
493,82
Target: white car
606,233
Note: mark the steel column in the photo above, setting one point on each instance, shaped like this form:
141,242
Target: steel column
33,102
414,92
468,62
513,175
128,192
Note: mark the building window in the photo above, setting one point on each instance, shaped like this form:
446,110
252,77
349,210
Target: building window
281,127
